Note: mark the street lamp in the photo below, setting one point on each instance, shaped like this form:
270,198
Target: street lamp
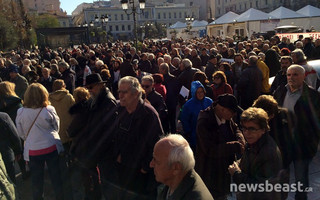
134,11
189,20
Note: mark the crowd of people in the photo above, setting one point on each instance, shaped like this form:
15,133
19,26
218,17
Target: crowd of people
194,115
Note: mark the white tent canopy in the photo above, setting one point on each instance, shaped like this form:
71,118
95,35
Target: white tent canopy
285,13
309,11
178,24
229,17
197,23
253,15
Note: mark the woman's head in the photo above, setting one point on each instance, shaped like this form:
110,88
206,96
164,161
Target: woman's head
58,85
36,96
81,94
219,77
7,89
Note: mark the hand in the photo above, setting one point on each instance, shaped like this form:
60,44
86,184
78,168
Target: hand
143,171
234,168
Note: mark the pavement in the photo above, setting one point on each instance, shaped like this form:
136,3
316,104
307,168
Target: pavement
24,186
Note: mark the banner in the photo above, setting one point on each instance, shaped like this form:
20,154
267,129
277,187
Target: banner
295,36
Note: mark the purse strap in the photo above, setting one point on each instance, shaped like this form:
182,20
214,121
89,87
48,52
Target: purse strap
33,123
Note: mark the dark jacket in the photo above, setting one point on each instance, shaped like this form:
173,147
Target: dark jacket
307,113
47,83
249,86
190,188
186,77
259,163
10,105
93,129
279,80
10,144
21,85
210,70
146,66
272,61
196,62
69,79
136,135
126,69
173,88
237,72
214,155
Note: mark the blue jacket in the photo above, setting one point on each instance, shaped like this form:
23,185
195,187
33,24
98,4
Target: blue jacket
190,112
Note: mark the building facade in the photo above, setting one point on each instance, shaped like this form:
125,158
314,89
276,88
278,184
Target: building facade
43,6
240,6
121,25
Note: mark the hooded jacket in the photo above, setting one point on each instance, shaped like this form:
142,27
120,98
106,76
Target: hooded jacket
62,100
190,112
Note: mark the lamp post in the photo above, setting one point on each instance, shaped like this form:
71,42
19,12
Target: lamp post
134,11
103,20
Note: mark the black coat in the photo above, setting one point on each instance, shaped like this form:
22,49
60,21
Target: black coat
10,144
93,128
173,88
307,113
186,77
249,86
214,155
126,69
69,79
10,105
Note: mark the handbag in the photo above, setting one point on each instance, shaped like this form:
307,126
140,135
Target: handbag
33,124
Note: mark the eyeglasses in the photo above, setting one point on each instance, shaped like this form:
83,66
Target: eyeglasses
250,129
145,86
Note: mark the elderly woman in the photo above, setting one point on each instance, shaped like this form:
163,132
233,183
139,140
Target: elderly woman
138,129
38,125
261,160
220,85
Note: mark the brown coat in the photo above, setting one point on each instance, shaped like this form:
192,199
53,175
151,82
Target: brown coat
62,100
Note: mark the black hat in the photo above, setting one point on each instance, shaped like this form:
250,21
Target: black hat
228,101
93,79
212,56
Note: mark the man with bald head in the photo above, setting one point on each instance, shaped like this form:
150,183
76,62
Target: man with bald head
173,164
304,101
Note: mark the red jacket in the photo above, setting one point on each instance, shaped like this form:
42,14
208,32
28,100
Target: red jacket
224,88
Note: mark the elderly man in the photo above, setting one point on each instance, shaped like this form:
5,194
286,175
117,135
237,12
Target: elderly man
173,164
20,81
304,102
93,140
261,160
281,77
219,141
186,77
68,76
138,128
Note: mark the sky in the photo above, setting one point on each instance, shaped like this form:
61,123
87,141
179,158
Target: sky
70,5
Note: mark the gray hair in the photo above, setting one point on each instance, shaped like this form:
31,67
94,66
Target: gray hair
64,65
299,55
253,60
186,63
133,83
148,78
167,56
165,67
180,152
298,68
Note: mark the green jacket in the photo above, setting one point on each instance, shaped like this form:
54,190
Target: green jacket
7,191
191,188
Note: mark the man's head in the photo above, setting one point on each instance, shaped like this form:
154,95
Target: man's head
147,83
13,71
63,66
254,122
226,106
238,59
298,56
167,59
176,62
94,84
185,64
164,68
130,91
45,72
295,77
213,59
253,60
285,62
172,159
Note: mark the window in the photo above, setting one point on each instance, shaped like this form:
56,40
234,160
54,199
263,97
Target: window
180,15
257,4
218,2
250,4
240,7
174,15
128,17
169,15
245,6
159,16
146,14
64,24
117,28
123,28
116,17
266,2
164,15
129,27
121,17
110,28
